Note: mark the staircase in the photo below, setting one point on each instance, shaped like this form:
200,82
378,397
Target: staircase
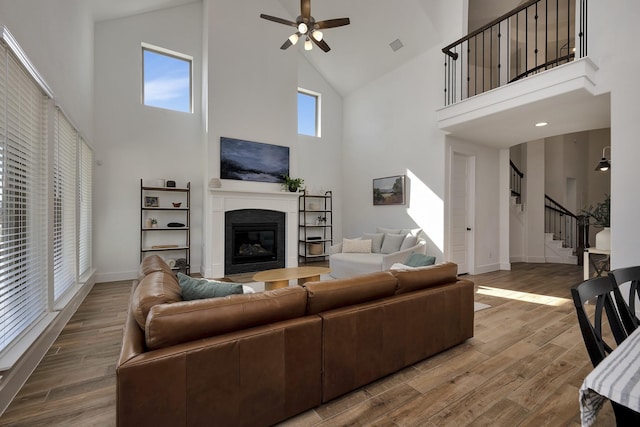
564,231
556,252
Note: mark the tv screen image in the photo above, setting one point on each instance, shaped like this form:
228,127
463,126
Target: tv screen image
253,161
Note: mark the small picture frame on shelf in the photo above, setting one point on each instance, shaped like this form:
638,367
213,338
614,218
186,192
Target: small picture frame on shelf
151,202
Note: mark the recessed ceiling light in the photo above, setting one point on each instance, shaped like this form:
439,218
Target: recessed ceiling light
541,124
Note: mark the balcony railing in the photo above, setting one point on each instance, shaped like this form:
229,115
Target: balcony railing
534,37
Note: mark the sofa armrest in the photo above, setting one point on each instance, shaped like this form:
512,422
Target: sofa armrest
401,256
335,249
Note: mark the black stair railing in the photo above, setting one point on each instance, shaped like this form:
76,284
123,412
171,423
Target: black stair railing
516,182
534,37
566,226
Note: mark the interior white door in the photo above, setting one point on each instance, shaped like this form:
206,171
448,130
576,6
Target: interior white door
460,212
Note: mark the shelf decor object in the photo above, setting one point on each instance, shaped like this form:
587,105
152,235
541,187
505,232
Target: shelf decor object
165,218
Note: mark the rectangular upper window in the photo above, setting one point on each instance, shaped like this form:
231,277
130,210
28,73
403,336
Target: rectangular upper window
308,113
167,79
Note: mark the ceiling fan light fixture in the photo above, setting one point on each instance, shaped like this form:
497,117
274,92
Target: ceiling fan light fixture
302,28
317,34
307,44
293,38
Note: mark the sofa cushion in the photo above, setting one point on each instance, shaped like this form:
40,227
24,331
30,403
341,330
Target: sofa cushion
419,260
203,288
392,243
409,242
356,246
170,324
425,277
389,230
327,295
157,287
376,241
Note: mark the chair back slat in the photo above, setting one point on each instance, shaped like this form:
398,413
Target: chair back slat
599,291
628,315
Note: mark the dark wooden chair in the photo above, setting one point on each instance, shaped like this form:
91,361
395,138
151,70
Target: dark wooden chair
598,291
627,311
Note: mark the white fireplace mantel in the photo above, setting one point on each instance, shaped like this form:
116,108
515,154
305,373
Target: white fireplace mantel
222,200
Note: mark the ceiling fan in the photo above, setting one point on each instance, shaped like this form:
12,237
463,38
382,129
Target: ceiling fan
306,26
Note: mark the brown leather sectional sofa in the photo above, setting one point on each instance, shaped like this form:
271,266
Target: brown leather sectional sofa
257,359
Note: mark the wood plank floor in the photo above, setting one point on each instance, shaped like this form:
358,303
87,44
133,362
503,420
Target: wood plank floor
523,367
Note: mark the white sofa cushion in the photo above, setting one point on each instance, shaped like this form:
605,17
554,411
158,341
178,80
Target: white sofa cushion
408,242
392,243
376,241
356,246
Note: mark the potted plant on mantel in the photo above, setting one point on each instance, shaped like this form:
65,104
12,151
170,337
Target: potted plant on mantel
292,184
601,214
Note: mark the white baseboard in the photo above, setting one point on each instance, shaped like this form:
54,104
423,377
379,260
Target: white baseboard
518,258
536,259
486,268
116,277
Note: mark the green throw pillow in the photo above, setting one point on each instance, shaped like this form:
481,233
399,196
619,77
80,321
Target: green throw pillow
419,260
203,288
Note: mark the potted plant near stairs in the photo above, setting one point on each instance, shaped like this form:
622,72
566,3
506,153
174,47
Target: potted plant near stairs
601,214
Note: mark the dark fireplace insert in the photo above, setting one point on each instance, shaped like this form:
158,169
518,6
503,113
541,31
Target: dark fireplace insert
254,240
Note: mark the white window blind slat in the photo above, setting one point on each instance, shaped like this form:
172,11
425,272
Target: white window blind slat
23,291
85,190
64,205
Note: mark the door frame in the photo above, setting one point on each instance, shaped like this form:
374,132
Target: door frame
471,156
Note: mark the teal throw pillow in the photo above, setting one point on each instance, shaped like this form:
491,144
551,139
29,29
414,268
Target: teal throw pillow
203,288
419,260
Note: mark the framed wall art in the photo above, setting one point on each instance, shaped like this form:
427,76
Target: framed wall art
253,161
389,190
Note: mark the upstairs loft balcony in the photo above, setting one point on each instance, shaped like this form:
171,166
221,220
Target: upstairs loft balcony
527,66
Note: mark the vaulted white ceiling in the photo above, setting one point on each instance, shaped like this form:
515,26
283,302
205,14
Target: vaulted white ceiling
360,52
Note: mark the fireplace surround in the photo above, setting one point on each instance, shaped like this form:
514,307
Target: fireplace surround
223,200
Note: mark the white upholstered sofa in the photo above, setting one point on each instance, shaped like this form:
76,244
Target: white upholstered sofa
374,251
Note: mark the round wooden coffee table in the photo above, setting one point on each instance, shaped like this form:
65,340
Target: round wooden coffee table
279,278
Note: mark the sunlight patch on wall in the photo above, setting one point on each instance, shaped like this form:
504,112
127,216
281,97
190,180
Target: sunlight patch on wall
426,208
522,296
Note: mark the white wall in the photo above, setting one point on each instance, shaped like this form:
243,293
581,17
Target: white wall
534,231
252,95
389,129
63,54
133,141
610,23
319,159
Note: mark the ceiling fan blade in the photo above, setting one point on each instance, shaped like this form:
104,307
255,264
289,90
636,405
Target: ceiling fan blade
305,8
321,44
332,23
278,20
286,44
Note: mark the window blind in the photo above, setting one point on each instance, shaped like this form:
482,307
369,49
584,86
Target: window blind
85,191
65,140
23,213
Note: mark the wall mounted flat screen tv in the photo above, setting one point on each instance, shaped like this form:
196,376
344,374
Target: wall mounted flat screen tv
253,161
